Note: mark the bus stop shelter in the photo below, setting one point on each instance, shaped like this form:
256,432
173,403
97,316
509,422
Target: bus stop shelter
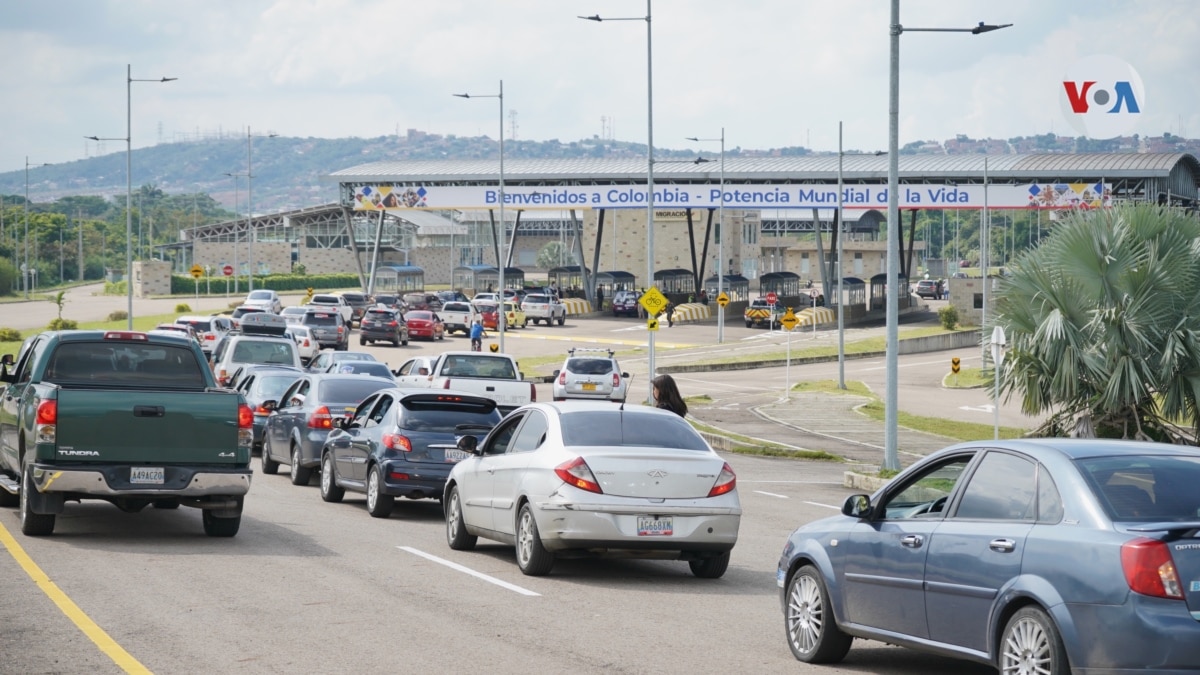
514,277
736,286
677,284
467,278
569,280
398,279
783,284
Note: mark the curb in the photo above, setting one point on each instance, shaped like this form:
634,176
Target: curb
859,481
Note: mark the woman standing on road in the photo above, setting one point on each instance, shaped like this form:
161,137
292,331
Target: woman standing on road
666,395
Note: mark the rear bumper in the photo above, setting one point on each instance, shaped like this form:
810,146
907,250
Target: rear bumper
112,480
566,526
423,481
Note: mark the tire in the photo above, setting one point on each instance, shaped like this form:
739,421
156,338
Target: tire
379,505
330,490
456,530
1030,638
362,341
8,499
222,527
33,524
165,504
533,558
812,633
526,324
562,319
396,341
710,568
269,466
749,324
300,474
404,342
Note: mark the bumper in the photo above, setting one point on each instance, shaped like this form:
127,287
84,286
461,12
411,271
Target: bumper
415,480
566,526
374,334
1143,635
112,480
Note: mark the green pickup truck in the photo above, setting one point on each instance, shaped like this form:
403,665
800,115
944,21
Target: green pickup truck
131,418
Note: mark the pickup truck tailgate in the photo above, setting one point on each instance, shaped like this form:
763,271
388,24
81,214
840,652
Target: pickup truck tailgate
162,427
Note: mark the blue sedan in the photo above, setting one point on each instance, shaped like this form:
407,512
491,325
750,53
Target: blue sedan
1034,556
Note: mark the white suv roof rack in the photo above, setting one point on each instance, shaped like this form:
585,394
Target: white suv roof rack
603,350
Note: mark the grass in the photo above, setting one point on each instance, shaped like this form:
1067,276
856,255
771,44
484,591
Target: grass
967,378
863,346
140,323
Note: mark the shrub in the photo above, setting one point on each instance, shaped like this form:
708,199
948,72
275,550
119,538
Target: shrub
119,315
182,308
10,335
948,315
62,324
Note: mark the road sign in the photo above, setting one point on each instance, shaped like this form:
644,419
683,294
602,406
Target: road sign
197,271
788,320
722,299
654,301
772,298
651,324
999,344
954,365
227,270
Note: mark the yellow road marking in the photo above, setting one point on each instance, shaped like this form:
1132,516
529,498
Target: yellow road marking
95,633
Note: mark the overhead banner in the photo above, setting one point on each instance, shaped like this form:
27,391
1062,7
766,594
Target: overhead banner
740,196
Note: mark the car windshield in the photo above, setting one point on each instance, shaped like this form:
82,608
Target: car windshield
261,351
419,316
320,319
442,417
259,295
461,365
325,300
202,326
347,391
536,299
354,297
362,368
629,428
1145,487
589,366
129,364
271,386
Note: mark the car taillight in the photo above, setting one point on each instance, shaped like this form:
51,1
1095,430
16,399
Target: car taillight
341,330
394,324
320,419
306,343
562,378
397,442
47,412
1149,569
261,411
577,473
725,482
210,336
124,335
532,393
616,380
245,417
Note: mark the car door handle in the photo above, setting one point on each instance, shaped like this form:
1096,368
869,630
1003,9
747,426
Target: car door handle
148,411
912,540
1002,545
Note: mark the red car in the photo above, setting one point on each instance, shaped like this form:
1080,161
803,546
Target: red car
423,324
488,314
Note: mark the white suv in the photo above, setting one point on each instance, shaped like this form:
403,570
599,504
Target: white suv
329,303
264,299
544,307
590,374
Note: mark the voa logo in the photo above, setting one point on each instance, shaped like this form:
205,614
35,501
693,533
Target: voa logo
1102,97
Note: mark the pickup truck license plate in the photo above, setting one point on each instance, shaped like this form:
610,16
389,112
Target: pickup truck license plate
649,526
456,455
589,386
146,475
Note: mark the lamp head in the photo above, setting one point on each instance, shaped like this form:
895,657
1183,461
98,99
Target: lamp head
692,138
168,79
595,18
92,138
987,28
461,95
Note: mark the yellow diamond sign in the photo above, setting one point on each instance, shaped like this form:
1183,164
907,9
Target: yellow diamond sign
654,301
789,320
197,271
722,299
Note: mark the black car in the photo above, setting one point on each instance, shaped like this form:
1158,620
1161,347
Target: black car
359,303
263,383
402,443
422,301
301,418
625,303
328,328
383,324
390,301
452,296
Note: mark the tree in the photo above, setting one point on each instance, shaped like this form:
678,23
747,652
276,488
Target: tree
1103,323
554,254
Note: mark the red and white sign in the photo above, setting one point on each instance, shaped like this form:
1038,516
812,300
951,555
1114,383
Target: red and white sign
772,298
228,270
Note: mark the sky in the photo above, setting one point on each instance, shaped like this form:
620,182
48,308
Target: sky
771,73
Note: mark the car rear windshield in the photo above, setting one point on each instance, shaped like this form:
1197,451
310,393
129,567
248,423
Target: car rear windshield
354,297
314,319
339,392
271,386
589,366
629,428
259,295
202,326
264,351
426,415
536,299
325,300
461,365
362,368
381,315
1146,487
125,364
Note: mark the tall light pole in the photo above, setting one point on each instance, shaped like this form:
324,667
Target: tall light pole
249,210
129,80
720,237
236,217
891,422
649,172
841,272
26,270
503,224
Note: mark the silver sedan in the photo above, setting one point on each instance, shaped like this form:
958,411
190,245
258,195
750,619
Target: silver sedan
583,478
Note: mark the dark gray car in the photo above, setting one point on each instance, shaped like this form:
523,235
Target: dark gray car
328,328
302,417
1045,555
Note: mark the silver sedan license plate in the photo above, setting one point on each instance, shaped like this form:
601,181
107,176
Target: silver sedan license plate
146,475
650,526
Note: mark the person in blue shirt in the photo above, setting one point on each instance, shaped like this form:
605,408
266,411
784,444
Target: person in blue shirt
476,336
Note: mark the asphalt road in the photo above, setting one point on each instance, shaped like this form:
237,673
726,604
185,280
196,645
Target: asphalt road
314,587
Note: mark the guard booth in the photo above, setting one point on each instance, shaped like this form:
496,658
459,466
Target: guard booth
854,297
467,278
736,286
879,292
609,283
514,277
785,285
398,279
568,280
678,285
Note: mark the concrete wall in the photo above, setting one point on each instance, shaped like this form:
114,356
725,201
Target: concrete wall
962,297
151,278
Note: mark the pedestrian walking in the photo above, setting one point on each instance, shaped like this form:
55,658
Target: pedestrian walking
670,312
666,395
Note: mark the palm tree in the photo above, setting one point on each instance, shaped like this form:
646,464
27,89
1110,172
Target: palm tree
1103,322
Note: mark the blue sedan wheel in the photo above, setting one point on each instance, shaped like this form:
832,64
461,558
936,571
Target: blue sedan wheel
813,635
1031,645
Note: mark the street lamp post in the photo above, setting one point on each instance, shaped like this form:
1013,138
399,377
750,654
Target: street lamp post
503,261
249,210
649,171
26,270
129,80
841,272
236,217
720,238
890,457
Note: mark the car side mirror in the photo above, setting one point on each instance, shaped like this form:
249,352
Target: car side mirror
269,405
6,360
469,444
857,506
625,376
556,372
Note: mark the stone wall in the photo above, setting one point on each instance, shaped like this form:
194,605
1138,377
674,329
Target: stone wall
151,278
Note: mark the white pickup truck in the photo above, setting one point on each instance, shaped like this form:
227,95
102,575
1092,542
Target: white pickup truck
493,376
544,307
457,316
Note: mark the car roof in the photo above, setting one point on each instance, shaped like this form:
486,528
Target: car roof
1082,448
